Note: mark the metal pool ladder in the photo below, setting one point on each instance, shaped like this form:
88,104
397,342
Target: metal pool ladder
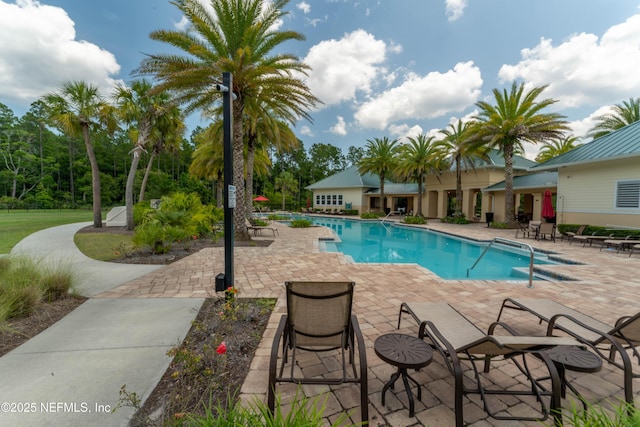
508,242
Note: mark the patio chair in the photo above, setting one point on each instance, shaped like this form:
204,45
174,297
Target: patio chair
318,319
604,339
528,229
634,248
456,339
546,229
619,244
591,239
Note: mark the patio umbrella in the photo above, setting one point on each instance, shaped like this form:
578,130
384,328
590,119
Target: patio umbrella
547,205
260,199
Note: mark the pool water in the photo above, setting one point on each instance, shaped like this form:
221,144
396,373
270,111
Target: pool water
447,256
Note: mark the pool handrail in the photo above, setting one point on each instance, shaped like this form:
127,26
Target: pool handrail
510,243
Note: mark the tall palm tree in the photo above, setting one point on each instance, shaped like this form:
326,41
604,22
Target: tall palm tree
167,135
380,159
461,146
556,147
77,108
622,115
416,160
515,118
239,37
138,108
286,182
208,158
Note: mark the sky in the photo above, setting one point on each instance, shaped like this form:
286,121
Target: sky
394,68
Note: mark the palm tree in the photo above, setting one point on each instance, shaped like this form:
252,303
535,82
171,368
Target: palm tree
416,160
622,115
516,118
77,109
137,107
208,158
166,136
380,159
239,37
556,147
285,182
459,144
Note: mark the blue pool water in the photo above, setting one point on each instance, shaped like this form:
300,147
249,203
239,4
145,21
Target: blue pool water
447,256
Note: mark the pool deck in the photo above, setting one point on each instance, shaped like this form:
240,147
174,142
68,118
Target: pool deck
606,285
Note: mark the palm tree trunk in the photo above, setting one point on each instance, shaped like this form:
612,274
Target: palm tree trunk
128,193
95,178
509,202
239,215
145,179
458,188
251,155
419,209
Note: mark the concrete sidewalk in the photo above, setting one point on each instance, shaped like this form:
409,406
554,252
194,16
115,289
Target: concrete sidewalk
71,374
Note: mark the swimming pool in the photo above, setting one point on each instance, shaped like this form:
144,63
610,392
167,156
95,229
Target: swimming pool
445,255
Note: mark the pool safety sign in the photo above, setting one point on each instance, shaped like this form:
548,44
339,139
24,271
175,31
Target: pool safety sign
231,197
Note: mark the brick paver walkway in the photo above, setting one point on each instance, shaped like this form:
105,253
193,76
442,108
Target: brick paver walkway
607,286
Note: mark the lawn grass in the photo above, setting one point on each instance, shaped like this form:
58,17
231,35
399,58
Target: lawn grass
103,246
15,225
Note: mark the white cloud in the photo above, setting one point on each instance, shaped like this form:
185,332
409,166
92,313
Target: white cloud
581,128
423,97
39,51
340,128
455,9
584,70
304,7
342,67
306,130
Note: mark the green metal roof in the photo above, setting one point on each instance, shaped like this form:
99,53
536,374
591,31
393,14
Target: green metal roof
496,160
391,188
348,178
526,182
623,143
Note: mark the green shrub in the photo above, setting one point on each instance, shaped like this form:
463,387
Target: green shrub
18,300
56,285
180,216
455,219
500,225
415,220
351,211
371,215
301,223
276,217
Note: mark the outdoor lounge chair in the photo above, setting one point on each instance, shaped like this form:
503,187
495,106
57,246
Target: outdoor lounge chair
546,229
604,339
252,225
591,239
457,339
578,232
633,249
318,319
619,244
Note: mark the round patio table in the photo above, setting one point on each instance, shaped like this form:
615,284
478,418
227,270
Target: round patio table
404,352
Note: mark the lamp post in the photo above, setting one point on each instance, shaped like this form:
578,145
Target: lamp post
226,88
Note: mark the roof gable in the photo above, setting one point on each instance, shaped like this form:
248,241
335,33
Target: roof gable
347,178
622,143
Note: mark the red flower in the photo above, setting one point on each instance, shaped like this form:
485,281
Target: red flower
222,348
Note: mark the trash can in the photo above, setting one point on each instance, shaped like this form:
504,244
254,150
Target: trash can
489,217
220,283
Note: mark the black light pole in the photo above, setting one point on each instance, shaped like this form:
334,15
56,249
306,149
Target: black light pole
229,188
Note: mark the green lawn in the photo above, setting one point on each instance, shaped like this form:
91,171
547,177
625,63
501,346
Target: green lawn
15,225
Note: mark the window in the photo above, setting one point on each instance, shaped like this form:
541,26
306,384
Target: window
340,199
323,200
317,199
334,199
628,194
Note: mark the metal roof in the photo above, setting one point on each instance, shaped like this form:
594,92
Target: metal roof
496,160
620,144
391,188
348,178
526,182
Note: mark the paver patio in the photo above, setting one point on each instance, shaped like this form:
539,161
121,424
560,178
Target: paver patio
603,280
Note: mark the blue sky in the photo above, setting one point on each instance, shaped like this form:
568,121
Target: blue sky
391,68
